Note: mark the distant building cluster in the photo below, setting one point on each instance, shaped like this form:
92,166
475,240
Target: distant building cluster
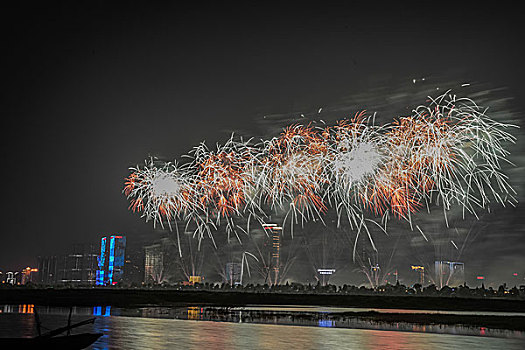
24,276
112,262
109,262
103,263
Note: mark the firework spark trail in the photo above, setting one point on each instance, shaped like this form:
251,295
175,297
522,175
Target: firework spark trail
222,183
446,153
292,176
463,155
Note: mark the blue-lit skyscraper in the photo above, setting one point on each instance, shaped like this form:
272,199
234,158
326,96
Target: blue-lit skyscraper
111,260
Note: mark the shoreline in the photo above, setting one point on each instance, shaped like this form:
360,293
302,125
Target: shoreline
282,308
170,297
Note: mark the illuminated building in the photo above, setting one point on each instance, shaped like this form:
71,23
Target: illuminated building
449,273
153,264
192,280
421,270
111,260
78,267
233,273
11,278
19,277
29,275
157,264
276,249
196,279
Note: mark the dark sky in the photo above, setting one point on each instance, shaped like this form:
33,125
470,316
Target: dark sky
91,89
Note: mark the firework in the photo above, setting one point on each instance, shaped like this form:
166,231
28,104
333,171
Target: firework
445,153
450,152
223,186
162,192
291,174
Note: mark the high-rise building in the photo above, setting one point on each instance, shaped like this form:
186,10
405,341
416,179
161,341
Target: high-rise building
449,273
78,267
29,275
47,269
275,232
233,273
11,277
154,263
111,260
134,266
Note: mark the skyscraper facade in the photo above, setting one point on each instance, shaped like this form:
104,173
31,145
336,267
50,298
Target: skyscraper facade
111,260
47,269
233,273
275,263
78,267
154,264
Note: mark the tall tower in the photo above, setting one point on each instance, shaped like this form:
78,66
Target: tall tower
274,232
154,264
111,260
233,273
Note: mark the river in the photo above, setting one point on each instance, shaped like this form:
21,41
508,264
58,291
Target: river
188,328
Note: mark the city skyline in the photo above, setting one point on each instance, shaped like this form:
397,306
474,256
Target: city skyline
78,265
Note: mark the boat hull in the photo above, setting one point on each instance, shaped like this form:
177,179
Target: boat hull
77,341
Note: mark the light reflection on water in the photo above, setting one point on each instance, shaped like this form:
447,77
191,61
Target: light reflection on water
145,333
156,328
308,308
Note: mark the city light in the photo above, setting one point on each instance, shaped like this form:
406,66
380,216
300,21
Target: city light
111,260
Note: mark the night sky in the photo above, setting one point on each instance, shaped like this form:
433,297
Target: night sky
92,89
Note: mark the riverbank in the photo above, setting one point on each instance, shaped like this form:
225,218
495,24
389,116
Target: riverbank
359,319
170,297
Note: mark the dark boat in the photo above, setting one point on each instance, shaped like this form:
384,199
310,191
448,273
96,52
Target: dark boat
52,340
76,341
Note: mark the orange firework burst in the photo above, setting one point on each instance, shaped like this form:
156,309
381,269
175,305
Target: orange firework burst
293,169
448,152
222,180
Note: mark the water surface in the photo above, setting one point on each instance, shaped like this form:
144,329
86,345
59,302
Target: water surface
159,328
